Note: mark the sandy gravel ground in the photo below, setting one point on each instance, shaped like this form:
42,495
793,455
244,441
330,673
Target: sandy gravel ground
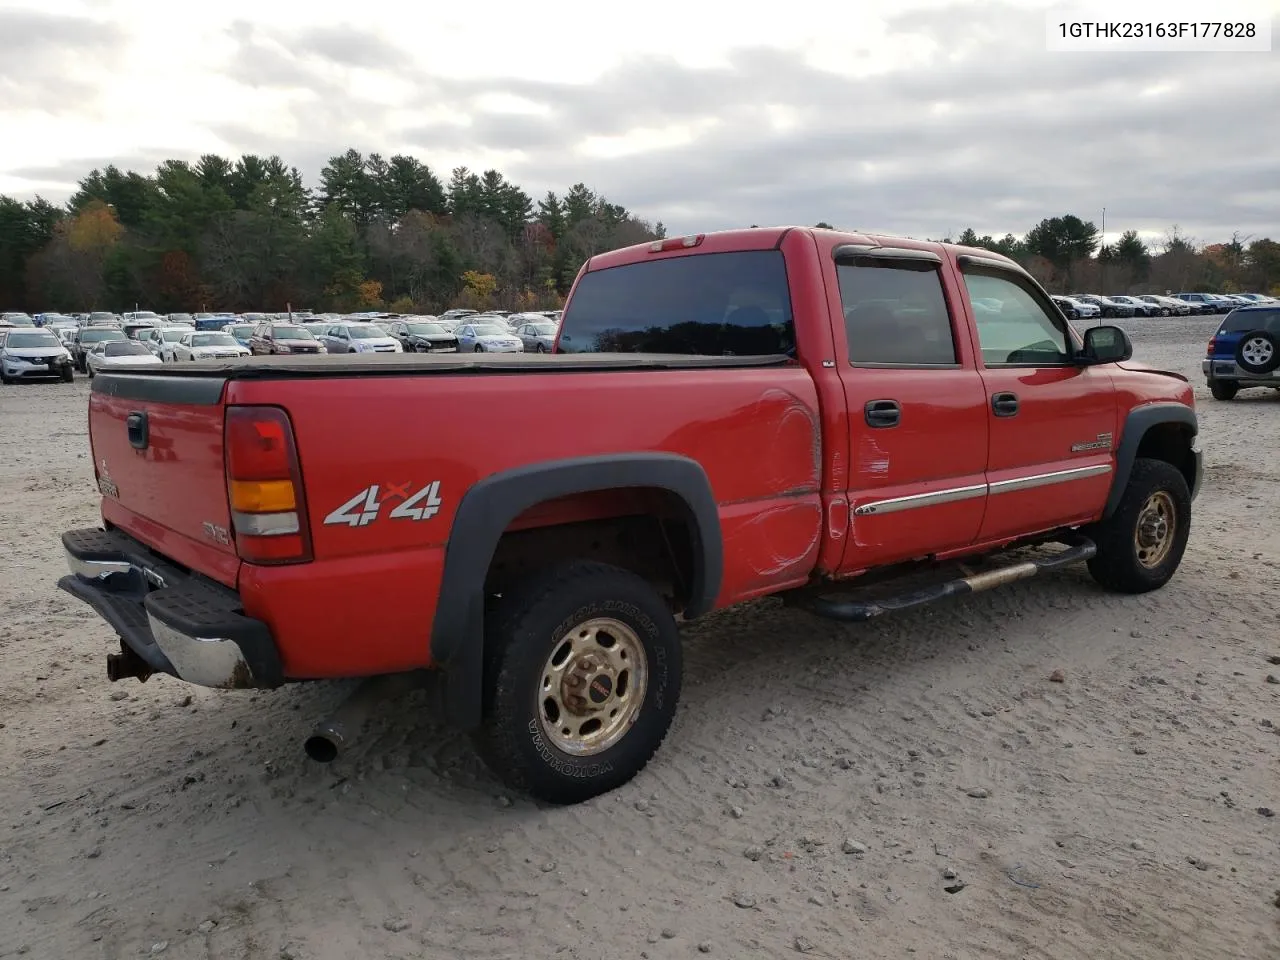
914,787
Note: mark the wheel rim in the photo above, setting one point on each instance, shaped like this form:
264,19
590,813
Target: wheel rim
1257,351
592,686
1157,523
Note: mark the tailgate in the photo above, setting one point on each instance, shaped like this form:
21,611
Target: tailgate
158,461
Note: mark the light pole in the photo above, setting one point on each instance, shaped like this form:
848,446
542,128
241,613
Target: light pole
1102,260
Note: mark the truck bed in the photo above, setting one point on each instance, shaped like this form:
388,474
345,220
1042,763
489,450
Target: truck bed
371,364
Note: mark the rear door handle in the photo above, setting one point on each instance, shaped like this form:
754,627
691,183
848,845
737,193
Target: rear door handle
1004,404
882,413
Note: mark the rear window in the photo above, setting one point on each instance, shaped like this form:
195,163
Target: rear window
714,304
1238,321
126,348
93,336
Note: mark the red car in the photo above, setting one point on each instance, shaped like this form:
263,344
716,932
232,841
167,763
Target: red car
725,416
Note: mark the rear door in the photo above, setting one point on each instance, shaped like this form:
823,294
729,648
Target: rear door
916,408
1052,423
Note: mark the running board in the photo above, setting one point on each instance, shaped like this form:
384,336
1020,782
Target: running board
854,611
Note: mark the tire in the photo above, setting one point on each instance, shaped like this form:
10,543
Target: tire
1258,352
1157,491
478,349
6,380
541,349
68,376
521,738
1164,311
1224,389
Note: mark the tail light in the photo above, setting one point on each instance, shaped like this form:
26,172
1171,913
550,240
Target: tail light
264,486
1213,345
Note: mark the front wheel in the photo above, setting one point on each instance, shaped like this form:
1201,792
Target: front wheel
582,675
1141,545
68,375
1224,389
479,349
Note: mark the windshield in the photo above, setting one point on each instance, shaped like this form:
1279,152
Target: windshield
24,340
366,333
424,329
291,333
543,329
719,304
146,315
93,336
243,331
488,330
173,336
125,348
101,316
19,320
214,340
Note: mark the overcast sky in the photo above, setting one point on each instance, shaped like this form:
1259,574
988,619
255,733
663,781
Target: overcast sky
918,117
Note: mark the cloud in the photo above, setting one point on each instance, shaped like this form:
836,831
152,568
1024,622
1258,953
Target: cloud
923,122
49,61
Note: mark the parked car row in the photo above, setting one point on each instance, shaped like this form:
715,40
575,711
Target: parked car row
1086,306
89,343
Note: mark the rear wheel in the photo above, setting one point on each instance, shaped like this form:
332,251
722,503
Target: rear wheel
1141,545
1224,389
583,668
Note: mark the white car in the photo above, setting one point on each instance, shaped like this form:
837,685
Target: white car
358,337
112,354
488,338
30,353
198,345
162,340
1169,306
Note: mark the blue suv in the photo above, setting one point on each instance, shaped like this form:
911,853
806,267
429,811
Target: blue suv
1245,352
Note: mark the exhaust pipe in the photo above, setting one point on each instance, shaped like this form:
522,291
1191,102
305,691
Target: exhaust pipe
335,734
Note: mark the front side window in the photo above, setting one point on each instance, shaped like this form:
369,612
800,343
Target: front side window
1022,332
895,312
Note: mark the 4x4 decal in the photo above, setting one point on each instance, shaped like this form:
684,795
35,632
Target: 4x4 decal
366,506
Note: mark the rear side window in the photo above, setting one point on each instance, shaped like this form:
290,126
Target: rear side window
1239,321
895,313
712,304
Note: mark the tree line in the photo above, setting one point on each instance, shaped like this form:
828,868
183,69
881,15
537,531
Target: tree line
386,232
377,233
1066,255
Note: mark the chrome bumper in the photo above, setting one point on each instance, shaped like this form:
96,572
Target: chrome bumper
182,625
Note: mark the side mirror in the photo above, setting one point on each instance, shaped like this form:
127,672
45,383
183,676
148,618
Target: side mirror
1105,345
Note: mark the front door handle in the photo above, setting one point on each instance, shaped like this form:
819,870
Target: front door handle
1004,404
882,413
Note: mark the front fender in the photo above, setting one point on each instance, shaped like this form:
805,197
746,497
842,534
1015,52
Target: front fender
1136,425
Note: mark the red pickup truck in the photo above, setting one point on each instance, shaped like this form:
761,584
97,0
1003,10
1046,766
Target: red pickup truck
726,416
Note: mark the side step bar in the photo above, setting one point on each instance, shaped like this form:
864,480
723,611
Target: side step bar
855,611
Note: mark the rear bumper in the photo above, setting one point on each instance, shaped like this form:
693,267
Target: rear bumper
1214,369
178,623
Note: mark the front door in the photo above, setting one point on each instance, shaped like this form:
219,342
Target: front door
916,407
1052,422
